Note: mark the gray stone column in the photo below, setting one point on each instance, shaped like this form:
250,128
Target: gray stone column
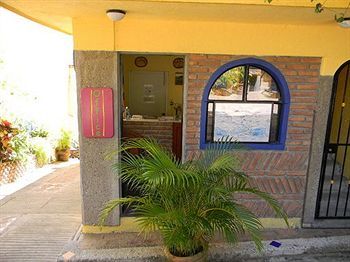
98,183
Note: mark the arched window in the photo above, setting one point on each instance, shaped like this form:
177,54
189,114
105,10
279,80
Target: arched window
247,100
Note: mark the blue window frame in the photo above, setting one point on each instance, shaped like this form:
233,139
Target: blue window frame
248,100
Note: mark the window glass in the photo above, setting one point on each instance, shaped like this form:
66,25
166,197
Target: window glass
261,86
244,122
229,86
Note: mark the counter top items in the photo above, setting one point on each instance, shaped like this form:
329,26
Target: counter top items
136,117
151,120
127,113
166,118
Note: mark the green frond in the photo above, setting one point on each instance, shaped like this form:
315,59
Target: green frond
250,223
188,202
223,164
273,203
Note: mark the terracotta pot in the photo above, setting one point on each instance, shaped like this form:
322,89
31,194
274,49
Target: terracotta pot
199,257
63,154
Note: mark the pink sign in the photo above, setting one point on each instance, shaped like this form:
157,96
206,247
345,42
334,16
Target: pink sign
97,112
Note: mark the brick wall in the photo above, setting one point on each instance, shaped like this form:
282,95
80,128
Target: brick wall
281,173
160,131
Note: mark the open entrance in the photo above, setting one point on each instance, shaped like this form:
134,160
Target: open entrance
334,187
152,92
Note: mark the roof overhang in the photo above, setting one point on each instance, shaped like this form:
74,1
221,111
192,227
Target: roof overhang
58,14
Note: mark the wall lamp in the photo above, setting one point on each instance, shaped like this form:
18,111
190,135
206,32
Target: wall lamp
345,22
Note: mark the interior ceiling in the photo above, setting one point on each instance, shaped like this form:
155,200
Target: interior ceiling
58,14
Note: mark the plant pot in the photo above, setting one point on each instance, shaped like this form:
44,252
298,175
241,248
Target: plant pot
63,154
199,257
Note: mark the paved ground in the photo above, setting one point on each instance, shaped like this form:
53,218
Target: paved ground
325,249
37,221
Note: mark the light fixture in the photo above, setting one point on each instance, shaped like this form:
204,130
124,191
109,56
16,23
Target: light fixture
115,14
345,23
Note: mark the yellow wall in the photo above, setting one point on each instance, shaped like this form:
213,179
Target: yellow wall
330,42
156,63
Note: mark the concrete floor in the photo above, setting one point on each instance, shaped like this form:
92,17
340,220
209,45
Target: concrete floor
37,221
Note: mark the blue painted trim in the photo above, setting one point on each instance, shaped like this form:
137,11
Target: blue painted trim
284,91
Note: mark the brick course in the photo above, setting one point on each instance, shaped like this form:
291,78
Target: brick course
281,173
160,131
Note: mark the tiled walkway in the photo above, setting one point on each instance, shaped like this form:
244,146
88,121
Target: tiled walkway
37,221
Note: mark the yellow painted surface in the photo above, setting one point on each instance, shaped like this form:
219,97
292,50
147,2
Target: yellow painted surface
330,42
128,224
59,13
241,27
294,222
156,63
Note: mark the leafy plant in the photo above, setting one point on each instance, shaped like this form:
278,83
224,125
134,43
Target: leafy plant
39,132
320,7
65,140
188,202
42,149
21,146
14,143
7,133
41,156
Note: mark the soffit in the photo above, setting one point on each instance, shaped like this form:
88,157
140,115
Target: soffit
58,14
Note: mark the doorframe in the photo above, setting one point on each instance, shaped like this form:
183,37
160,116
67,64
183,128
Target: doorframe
121,81
184,91
320,126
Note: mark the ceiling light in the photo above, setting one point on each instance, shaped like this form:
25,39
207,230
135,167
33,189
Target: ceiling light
115,14
345,23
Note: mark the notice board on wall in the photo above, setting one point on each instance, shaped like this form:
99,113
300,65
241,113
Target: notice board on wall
97,112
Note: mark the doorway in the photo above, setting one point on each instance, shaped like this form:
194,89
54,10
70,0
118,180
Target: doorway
152,90
334,188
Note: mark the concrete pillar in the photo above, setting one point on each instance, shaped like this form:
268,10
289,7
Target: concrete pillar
98,183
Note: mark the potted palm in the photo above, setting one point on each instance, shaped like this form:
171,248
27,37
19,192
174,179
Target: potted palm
62,149
188,203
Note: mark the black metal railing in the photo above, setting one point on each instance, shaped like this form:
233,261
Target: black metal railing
334,187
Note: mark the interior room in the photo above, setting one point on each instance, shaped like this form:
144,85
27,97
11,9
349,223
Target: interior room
152,88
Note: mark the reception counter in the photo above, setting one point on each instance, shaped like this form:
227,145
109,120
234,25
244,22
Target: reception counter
167,133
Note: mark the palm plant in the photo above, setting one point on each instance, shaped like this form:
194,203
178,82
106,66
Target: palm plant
188,202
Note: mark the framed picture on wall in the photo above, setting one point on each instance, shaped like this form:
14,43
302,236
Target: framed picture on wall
179,78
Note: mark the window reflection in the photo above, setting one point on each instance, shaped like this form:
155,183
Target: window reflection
229,86
261,86
243,122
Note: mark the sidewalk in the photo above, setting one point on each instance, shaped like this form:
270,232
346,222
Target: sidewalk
307,245
38,220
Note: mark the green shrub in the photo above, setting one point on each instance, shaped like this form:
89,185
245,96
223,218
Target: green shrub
65,140
14,143
39,132
188,203
41,156
21,147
